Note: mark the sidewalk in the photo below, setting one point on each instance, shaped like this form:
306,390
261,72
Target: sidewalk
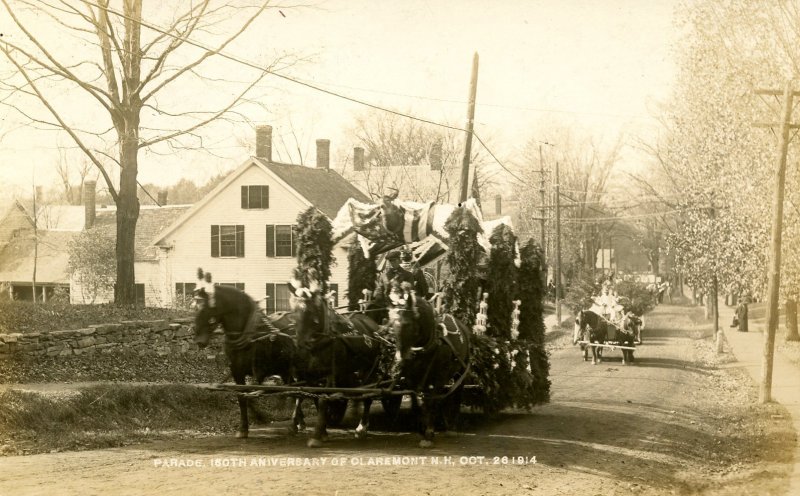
748,348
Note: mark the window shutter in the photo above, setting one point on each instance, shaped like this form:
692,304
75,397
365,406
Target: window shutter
270,241
215,241
240,241
294,240
265,196
244,197
270,298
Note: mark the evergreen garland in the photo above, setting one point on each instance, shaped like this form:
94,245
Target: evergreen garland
501,283
461,286
360,275
510,374
531,292
314,248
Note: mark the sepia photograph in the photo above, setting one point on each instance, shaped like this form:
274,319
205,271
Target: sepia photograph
377,248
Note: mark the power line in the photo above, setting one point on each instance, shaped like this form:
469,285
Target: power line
253,65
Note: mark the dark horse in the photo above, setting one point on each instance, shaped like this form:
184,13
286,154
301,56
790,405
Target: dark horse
431,355
253,347
592,328
629,333
343,353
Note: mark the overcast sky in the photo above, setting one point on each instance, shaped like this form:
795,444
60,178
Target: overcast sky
597,65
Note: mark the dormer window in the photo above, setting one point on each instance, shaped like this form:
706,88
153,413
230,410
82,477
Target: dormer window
255,197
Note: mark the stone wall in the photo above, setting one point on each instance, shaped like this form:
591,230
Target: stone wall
145,337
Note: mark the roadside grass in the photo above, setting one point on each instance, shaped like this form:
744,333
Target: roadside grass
193,366
114,415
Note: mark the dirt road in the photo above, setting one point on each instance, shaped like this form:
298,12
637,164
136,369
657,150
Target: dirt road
674,423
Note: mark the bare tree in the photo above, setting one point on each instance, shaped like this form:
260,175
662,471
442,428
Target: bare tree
585,168
138,69
420,160
72,176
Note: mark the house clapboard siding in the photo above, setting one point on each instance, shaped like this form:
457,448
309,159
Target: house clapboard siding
187,244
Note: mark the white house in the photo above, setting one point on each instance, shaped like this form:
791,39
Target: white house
242,232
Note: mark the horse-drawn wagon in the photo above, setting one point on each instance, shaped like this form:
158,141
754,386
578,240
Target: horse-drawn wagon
608,325
417,348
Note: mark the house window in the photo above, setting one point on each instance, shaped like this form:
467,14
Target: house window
227,241
281,241
277,297
184,291
237,285
255,197
139,295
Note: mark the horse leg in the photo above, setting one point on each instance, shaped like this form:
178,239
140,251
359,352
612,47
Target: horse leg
426,407
244,421
320,430
363,425
298,419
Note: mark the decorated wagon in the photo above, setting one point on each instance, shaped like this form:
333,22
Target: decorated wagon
478,341
612,322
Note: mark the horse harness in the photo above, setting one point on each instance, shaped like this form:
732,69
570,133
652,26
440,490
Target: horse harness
435,341
248,335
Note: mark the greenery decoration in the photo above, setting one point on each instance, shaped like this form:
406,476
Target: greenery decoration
635,297
531,291
462,284
501,286
314,248
361,274
508,373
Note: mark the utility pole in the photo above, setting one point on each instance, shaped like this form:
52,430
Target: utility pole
542,195
765,389
473,89
557,273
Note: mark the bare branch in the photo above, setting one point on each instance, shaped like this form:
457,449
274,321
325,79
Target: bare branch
208,53
57,67
235,101
64,125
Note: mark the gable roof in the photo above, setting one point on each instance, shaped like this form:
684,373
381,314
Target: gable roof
17,257
322,188
152,221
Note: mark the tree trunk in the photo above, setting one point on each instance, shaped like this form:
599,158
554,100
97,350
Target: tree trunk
127,215
791,321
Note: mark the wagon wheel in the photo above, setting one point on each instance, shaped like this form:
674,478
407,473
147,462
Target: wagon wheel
391,406
336,411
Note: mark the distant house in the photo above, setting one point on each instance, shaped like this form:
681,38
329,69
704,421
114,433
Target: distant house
39,240
149,275
46,247
243,231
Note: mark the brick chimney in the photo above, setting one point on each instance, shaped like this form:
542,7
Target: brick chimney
88,203
358,159
436,156
162,197
498,204
323,154
264,143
